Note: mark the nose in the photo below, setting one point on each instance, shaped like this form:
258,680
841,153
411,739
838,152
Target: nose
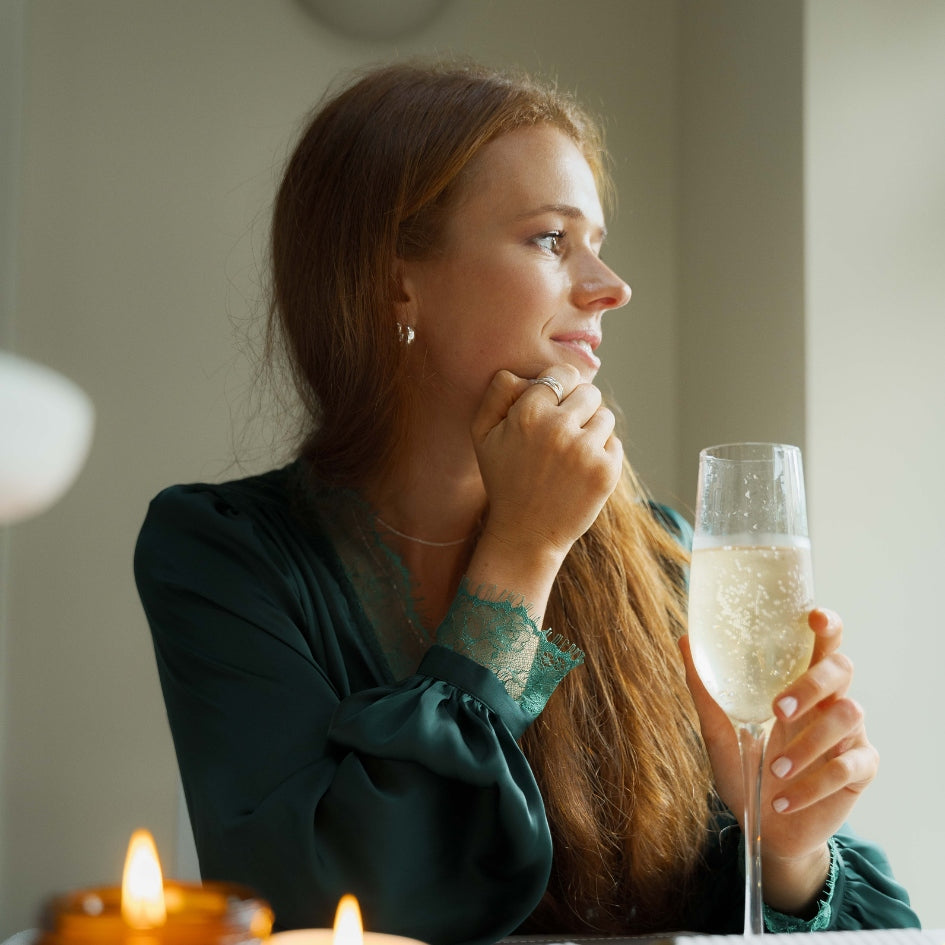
599,288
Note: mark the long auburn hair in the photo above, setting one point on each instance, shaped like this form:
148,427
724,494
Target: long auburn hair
616,752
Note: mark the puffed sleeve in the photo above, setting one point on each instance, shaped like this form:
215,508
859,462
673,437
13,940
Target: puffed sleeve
861,892
304,778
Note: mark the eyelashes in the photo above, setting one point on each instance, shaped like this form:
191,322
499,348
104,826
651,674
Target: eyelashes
550,241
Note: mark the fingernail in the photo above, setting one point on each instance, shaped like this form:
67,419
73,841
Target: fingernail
788,706
781,767
780,804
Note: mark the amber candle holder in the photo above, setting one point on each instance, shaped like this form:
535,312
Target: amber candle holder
197,914
147,910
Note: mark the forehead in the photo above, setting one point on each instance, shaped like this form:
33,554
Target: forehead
529,168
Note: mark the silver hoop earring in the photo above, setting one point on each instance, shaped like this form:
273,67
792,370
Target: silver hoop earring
406,333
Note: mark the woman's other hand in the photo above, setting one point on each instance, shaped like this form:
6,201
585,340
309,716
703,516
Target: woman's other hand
819,760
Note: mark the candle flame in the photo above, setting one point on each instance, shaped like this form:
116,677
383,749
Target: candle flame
142,885
348,927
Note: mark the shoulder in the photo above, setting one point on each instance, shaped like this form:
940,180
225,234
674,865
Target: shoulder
194,523
215,563
267,502
270,490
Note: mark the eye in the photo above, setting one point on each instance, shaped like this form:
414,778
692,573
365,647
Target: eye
550,241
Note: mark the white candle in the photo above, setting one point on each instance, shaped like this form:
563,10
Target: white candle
348,930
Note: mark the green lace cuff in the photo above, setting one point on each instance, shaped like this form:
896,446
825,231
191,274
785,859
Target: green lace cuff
495,629
779,922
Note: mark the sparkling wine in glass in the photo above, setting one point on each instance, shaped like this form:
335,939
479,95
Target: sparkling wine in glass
750,592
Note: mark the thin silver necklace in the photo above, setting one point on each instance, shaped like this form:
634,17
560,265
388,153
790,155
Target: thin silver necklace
423,541
385,575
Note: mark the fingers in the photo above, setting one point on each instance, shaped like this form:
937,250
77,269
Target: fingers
829,673
555,383
552,384
837,728
828,632
580,403
850,771
501,394
558,383
715,725
558,389
826,754
547,467
829,678
693,680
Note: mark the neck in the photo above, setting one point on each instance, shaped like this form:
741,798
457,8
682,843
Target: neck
432,496
428,509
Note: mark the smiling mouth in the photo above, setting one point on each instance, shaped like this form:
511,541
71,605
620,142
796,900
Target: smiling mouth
584,344
587,341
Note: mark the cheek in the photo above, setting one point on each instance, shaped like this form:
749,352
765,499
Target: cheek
510,298
485,317
474,302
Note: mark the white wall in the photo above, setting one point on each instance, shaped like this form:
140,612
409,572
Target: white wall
740,225
875,251
152,136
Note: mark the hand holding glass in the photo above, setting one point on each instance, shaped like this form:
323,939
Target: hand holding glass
750,593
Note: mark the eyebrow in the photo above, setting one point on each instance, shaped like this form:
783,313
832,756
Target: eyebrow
563,209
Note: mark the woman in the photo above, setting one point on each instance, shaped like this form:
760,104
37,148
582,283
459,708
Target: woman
371,657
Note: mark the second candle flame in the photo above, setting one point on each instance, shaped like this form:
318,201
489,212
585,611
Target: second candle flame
348,927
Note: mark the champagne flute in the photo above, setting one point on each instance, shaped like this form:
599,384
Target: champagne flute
750,592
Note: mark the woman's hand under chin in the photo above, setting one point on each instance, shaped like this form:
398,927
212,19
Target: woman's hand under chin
548,468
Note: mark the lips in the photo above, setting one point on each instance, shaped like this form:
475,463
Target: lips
585,343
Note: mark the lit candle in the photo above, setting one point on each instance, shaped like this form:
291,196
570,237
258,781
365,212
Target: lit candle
148,910
348,930
143,905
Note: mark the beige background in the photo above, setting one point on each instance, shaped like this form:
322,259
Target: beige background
781,220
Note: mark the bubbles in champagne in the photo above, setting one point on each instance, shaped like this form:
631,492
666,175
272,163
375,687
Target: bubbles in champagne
748,607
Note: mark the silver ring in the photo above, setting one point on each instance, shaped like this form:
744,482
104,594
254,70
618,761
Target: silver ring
553,384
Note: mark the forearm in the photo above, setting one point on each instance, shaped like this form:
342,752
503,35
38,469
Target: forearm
521,567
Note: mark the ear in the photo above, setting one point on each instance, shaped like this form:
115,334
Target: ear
406,303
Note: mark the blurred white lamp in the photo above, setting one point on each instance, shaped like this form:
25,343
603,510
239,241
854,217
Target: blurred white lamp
46,425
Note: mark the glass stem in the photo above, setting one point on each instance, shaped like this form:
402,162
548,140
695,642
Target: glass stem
752,740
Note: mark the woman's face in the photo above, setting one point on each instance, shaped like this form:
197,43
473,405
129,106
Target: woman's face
517,282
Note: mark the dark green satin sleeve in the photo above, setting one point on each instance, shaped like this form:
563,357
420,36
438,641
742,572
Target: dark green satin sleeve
307,772
862,892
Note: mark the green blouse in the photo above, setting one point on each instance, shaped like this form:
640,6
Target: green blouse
321,755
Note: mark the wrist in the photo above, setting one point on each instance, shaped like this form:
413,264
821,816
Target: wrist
794,885
527,567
